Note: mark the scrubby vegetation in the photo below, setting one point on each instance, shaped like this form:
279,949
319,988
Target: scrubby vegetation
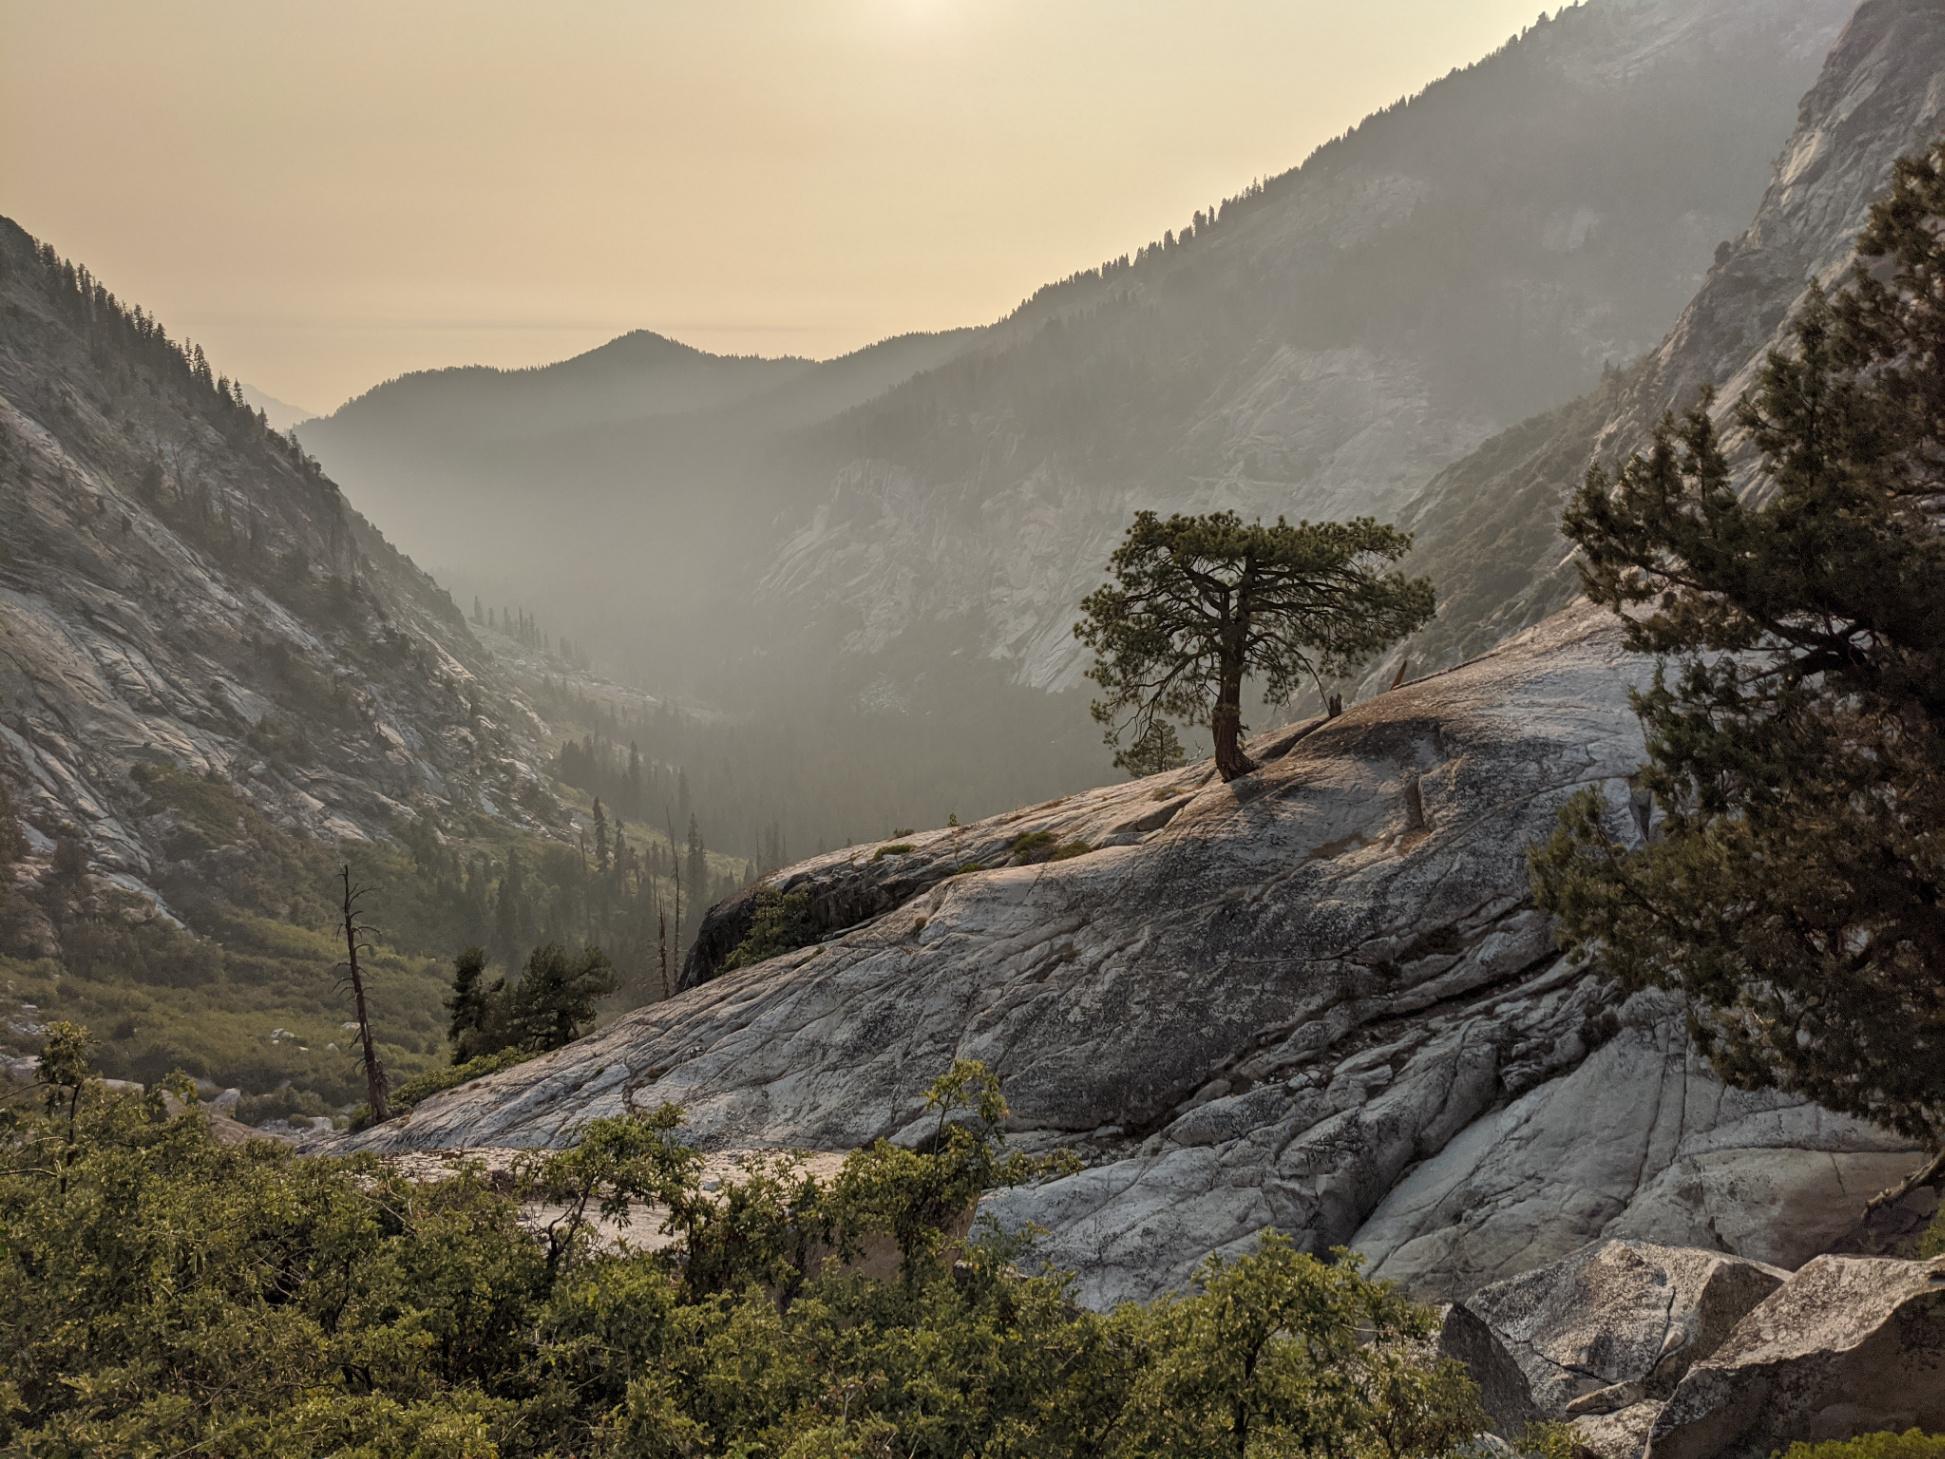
1912,1444
172,1295
1034,847
240,989
450,1076
783,922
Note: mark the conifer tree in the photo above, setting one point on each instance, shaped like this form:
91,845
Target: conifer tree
1199,603
1794,888
510,913
471,1005
555,1000
697,875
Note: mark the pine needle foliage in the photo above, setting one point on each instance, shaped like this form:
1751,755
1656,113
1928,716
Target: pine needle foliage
1791,890
1199,603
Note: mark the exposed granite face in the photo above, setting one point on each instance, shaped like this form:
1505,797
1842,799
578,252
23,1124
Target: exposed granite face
1688,1353
1605,1329
176,590
1316,999
1848,1346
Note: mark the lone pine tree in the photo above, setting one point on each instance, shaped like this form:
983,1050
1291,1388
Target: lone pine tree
1794,890
1200,603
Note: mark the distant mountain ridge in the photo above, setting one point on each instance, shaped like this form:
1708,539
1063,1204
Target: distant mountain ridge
279,415
1456,263
644,463
1320,346
633,376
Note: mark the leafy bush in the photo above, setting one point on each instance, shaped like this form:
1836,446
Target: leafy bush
896,848
170,1295
1909,1445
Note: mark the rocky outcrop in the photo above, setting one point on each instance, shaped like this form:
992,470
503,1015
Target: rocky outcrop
1316,999
1603,1336
1689,1354
1849,1345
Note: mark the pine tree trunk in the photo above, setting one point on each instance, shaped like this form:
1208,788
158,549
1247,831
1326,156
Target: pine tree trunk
375,1082
1227,723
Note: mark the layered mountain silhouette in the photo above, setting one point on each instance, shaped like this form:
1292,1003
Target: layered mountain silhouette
1321,345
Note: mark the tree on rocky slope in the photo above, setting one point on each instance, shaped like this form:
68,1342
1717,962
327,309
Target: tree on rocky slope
357,933
1794,889
555,1000
1200,603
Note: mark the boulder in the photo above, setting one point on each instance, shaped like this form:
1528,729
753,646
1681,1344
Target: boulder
1847,1346
1608,1329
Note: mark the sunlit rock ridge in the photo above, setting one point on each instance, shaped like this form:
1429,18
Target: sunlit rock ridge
1316,999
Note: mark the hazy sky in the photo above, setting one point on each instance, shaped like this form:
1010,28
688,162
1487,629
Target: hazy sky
329,192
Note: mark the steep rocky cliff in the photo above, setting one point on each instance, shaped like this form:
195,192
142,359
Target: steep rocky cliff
180,589
1316,999
1487,527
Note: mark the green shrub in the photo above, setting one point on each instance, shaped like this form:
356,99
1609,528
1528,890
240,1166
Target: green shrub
440,1078
783,922
1911,1444
1036,847
1028,843
170,1295
896,848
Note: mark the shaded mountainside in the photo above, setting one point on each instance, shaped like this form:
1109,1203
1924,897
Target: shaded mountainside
180,590
1316,999
1487,527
